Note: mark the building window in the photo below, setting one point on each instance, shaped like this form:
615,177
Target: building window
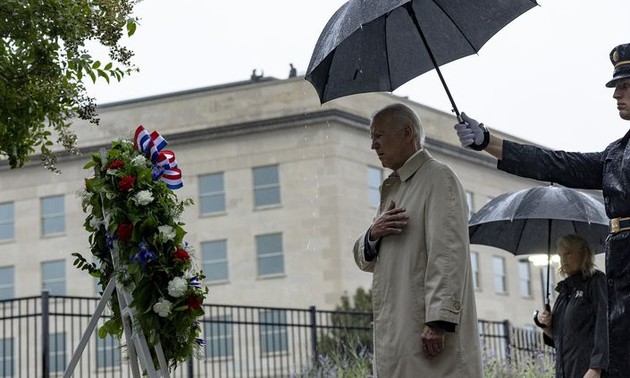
270,255
500,282
107,352
218,335
53,216
7,221
57,352
7,359
266,186
7,282
211,193
215,264
273,331
474,262
54,277
525,278
469,202
375,179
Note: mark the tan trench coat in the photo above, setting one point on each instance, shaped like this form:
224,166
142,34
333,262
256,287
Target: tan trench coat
423,275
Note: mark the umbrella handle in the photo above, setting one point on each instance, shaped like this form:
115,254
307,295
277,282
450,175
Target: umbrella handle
538,323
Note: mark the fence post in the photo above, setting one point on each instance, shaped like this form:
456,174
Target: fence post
45,334
313,313
191,371
508,341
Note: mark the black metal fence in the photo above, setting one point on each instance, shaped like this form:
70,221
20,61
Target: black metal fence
39,335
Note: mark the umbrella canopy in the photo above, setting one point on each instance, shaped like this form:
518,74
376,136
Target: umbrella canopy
530,221
378,45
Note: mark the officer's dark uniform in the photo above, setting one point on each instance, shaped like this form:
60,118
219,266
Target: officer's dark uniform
608,171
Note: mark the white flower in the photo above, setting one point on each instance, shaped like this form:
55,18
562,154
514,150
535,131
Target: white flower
95,222
177,287
107,218
167,232
139,161
143,197
163,307
84,195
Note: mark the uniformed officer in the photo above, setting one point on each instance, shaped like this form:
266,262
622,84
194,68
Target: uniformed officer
609,171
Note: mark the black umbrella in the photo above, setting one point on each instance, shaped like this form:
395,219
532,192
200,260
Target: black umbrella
529,221
378,45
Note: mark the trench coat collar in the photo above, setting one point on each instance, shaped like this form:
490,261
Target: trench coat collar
413,164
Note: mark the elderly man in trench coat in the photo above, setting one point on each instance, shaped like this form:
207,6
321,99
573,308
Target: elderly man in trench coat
425,321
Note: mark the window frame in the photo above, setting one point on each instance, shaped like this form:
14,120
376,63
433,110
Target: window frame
46,217
257,187
205,261
273,330
7,360
272,254
54,353
499,275
9,222
10,285
210,194
475,270
55,280
525,280
219,331
374,203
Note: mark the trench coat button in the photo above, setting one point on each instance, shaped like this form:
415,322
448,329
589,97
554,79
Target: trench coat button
610,282
457,306
606,199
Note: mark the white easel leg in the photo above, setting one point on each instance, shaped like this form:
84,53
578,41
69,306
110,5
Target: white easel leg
107,294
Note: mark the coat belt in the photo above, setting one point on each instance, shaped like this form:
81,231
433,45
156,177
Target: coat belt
619,224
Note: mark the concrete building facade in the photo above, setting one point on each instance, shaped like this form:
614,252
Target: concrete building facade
282,187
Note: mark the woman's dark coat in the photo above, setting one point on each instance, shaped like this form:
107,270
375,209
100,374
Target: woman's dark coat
579,327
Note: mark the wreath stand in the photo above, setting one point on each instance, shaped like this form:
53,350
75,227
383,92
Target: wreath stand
137,346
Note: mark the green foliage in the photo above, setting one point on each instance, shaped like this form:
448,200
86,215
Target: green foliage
133,218
43,60
350,333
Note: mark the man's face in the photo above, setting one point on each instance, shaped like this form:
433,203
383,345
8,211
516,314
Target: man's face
622,95
390,142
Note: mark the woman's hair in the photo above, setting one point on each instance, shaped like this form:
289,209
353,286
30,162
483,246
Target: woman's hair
404,115
578,244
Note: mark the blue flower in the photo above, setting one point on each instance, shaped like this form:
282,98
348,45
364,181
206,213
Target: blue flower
200,342
109,240
144,255
157,172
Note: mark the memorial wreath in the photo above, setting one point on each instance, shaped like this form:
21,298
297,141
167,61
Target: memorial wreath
137,238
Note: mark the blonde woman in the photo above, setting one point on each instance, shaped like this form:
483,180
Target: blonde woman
577,326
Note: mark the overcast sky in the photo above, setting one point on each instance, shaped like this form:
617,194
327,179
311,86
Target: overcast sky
541,78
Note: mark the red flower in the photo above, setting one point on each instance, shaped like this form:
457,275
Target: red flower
193,302
126,183
124,231
116,164
181,255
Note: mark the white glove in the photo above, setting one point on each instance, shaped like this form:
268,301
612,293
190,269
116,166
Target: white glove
472,134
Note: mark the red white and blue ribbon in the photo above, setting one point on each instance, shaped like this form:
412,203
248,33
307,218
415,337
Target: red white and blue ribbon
152,145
